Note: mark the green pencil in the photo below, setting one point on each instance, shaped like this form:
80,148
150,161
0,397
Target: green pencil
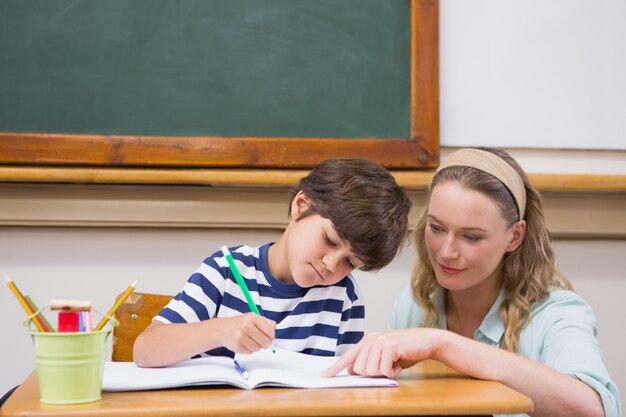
43,318
240,281
242,284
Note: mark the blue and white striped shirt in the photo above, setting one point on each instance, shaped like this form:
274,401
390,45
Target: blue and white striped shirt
321,320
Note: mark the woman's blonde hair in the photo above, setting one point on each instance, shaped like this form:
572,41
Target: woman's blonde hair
527,273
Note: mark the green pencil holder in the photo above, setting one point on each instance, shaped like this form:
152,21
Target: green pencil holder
70,364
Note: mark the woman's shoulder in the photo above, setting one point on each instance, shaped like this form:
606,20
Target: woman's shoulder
559,297
562,304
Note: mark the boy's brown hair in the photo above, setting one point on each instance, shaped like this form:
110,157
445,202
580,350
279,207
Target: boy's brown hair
365,204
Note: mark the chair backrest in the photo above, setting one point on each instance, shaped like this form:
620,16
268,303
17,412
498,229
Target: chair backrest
134,315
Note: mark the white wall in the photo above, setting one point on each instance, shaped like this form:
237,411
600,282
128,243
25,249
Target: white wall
533,73
97,264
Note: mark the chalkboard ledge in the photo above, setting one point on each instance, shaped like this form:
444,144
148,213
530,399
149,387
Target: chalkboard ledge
273,178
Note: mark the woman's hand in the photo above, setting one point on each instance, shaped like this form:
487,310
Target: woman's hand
386,353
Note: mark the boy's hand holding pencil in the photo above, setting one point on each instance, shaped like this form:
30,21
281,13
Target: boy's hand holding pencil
249,327
247,333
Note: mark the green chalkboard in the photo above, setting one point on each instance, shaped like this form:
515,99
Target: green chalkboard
312,68
87,71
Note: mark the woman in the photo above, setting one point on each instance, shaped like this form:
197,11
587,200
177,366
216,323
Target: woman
486,298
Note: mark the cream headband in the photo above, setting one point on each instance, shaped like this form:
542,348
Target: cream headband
494,165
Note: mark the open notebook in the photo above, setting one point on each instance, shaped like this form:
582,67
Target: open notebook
281,368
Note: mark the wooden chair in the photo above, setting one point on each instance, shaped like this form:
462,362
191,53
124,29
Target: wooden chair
134,315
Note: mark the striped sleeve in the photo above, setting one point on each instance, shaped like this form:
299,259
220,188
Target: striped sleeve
199,299
352,327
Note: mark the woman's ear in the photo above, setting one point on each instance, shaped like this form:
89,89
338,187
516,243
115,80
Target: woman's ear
517,237
299,205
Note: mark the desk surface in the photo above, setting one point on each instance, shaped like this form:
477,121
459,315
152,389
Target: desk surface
426,389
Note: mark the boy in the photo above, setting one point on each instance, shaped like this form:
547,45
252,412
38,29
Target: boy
347,213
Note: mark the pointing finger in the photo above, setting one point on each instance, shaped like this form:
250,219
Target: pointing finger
347,359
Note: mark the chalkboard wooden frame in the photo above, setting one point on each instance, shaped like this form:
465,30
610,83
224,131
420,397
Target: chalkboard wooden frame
421,150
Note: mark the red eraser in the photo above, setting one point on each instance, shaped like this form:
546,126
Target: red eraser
69,321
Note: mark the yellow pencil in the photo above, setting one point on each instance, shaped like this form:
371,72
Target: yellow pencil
23,302
115,306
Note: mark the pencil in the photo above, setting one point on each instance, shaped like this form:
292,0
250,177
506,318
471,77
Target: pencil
113,309
44,323
240,281
23,302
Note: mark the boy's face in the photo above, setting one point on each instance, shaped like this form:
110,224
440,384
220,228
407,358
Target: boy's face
314,252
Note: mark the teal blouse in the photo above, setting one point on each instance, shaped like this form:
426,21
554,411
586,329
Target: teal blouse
560,334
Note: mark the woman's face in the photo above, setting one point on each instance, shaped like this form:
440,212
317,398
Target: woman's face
467,237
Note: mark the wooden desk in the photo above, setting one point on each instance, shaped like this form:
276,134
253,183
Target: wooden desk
426,389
